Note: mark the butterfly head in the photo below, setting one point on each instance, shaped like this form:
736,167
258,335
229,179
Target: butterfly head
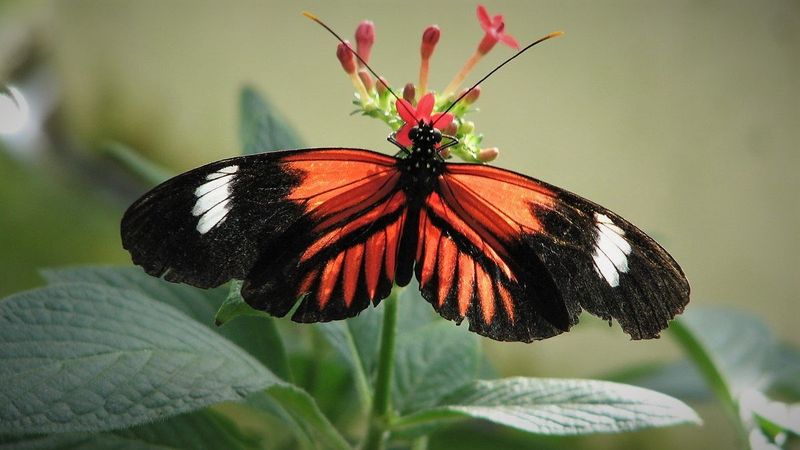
424,135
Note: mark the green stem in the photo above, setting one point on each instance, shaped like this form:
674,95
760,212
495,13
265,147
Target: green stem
377,434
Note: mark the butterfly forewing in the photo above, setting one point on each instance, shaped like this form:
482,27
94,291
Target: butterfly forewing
207,226
520,258
319,223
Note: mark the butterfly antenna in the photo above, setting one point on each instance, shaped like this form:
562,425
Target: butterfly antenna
527,47
360,59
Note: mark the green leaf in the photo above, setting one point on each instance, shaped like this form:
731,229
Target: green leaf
340,337
679,379
86,357
433,357
783,415
235,306
259,336
558,407
732,349
784,369
302,407
261,128
198,304
200,430
142,167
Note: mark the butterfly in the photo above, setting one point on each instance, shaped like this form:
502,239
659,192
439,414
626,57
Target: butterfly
328,231
335,228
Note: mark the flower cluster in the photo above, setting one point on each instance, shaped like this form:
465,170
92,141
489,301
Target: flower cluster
417,102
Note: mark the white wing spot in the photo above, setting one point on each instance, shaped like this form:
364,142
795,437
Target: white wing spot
611,250
213,198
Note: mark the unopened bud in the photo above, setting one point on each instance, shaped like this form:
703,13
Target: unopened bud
468,127
365,37
451,129
488,154
472,96
381,85
366,79
429,39
345,56
409,93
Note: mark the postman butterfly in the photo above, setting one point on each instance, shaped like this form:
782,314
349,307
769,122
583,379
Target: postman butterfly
328,231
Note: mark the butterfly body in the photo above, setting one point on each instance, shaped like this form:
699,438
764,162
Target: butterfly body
423,165
335,228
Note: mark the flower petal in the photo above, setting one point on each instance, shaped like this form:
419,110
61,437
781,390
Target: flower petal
510,41
444,122
483,18
425,106
497,21
402,135
406,111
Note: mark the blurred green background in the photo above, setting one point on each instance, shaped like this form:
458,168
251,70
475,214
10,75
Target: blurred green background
682,116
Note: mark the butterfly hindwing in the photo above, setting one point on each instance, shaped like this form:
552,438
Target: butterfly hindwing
321,224
520,258
341,254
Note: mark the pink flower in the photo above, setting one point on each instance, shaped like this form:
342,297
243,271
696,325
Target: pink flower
495,31
412,116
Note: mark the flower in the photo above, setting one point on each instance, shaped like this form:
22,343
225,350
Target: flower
412,116
376,98
495,31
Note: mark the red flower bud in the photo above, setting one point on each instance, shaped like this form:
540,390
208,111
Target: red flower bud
345,55
381,85
365,37
451,129
488,154
430,37
366,79
472,96
409,93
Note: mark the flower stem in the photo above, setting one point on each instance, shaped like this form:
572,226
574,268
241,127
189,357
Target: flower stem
459,78
363,95
423,77
377,434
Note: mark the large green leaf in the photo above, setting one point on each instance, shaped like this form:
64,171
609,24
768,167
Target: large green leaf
198,304
433,356
199,430
87,357
557,407
257,335
261,129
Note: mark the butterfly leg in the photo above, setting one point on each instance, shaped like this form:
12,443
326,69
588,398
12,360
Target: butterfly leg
392,139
